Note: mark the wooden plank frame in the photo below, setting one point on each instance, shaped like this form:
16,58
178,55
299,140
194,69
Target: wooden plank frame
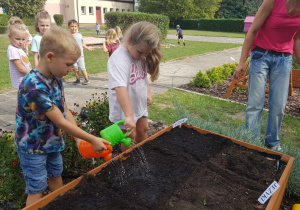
274,203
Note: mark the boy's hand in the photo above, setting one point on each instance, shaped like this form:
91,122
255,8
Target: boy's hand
98,144
129,124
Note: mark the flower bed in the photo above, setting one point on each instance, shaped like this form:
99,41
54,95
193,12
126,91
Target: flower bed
184,168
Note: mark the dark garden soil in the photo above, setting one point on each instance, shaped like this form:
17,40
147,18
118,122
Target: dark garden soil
181,169
241,95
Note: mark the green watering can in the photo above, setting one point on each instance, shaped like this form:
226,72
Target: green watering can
115,135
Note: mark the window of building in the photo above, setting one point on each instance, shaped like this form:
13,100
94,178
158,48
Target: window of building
91,10
83,11
128,10
117,10
111,9
123,10
104,10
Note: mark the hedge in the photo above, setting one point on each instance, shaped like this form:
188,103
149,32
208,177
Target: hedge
59,19
125,19
4,19
225,25
29,21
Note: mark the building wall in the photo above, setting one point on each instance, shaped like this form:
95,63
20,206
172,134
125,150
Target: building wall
86,9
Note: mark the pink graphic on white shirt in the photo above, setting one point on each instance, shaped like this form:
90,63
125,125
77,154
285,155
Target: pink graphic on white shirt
137,74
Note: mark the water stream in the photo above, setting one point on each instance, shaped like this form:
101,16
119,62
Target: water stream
140,169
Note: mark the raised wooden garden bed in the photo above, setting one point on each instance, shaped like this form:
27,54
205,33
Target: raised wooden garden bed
180,168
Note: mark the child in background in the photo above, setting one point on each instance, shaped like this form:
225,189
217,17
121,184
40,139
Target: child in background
119,33
41,25
129,90
28,42
98,28
43,115
79,64
19,64
111,43
179,34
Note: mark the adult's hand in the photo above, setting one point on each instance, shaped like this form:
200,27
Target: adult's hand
239,71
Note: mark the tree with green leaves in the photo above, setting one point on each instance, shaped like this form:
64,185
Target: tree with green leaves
231,9
252,6
238,8
22,8
180,9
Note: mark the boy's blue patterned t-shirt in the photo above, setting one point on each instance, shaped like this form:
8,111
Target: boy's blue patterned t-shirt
35,133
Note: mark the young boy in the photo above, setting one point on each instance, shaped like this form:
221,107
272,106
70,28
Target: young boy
42,115
179,34
79,65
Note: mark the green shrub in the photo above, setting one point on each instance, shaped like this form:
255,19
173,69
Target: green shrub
59,19
230,67
125,19
201,80
214,75
4,19
29,21
226,25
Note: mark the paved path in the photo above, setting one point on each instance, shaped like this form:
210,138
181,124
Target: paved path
209,39
173,73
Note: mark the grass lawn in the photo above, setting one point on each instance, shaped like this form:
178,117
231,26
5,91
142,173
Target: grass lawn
224,113
209,33
96,61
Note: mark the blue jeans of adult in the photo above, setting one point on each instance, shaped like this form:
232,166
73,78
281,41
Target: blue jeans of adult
277,68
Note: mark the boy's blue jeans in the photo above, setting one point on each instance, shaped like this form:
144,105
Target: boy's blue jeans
277,68
36,168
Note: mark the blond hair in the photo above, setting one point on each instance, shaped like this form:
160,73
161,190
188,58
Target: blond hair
59,41
16,24
145,34
119,32
41,15
111,36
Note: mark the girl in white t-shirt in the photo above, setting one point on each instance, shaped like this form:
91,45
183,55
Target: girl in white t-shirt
19,64
129,91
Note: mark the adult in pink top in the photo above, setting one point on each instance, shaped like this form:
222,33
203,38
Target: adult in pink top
272,38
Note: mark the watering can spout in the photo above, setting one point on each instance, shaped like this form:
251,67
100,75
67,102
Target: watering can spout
126,141
115,135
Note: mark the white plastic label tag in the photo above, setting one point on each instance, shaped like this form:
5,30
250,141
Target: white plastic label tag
268,192
179,122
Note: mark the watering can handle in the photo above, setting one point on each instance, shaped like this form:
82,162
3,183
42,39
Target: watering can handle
123,121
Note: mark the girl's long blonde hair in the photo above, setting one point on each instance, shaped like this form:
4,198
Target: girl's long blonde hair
145,34
119,32
16,24
292,5
111,36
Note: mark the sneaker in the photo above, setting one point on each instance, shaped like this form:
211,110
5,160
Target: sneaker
178,42
86,81
77,81
277,148
183,43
